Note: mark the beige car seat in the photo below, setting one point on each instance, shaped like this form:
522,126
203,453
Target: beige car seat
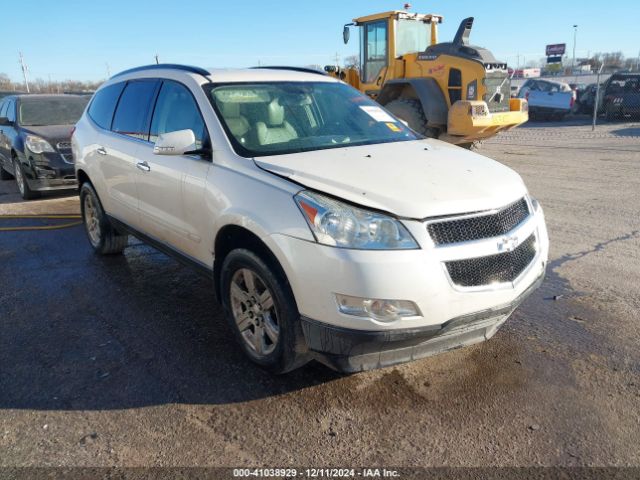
238,125
276,129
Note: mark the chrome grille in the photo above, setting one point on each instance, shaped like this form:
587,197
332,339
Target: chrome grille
477,228
500,268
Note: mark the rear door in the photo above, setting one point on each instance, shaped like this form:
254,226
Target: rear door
119,148
171,187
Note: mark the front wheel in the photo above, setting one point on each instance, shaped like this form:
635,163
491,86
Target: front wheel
21,181
410,110
103,237
262,312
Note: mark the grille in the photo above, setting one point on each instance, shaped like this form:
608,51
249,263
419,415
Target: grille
493,82
500,268
67,157
476,228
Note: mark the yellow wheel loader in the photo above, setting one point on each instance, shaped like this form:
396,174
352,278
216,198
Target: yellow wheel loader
451,90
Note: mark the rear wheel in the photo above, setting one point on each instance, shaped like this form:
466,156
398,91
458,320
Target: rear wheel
410,110
262,312
4,175
103,237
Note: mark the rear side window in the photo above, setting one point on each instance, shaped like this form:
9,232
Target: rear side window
103,105
133,112
176,110
3,108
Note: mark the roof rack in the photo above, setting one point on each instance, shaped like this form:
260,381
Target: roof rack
170,66
294,69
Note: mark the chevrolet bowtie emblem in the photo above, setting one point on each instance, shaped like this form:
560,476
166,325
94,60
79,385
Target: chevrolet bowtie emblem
507,244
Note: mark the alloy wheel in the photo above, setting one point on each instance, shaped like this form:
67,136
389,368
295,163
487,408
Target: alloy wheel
254,312
92,220
19,178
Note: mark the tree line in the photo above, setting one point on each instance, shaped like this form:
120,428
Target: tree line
40,85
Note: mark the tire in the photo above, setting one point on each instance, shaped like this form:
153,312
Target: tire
262,312
21,181
410,110
4,175
473,146
103,237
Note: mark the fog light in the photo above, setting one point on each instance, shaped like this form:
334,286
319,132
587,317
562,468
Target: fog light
380,310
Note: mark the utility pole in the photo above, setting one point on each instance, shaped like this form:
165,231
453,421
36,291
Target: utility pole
157,60
575,38
108,70
24,71
337,59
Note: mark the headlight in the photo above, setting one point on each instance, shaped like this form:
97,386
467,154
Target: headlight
341,225
38,145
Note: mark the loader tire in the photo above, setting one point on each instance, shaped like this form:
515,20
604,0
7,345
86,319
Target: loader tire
410,110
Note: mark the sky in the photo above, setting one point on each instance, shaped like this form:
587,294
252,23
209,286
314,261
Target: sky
87,40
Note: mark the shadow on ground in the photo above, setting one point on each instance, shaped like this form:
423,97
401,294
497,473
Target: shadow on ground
627,132
83,332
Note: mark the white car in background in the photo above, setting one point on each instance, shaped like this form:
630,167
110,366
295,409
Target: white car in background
330,229
548,100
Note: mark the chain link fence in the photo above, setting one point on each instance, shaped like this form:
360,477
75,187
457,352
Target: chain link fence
616,99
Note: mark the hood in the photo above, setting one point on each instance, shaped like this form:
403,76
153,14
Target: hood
416,179
51,133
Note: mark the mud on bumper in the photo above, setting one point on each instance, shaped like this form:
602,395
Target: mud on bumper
350,351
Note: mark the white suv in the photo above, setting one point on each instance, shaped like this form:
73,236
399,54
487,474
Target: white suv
331,230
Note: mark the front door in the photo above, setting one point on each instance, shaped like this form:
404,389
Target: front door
374,51
171,187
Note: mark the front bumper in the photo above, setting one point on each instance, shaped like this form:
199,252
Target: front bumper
451,315
50,171
350,351
468,127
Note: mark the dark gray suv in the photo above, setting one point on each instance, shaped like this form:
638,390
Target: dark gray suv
35,141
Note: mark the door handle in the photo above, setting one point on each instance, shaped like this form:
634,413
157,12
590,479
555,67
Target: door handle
144,166
101,151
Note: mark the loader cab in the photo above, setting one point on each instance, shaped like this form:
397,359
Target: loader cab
387,36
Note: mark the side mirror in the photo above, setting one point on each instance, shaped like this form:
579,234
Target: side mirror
346,33
179,142
5,122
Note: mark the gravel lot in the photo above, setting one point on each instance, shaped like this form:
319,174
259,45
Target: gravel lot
127,361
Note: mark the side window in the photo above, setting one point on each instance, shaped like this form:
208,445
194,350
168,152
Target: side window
3,108
103,105
11,110
455,85
133,112
176,110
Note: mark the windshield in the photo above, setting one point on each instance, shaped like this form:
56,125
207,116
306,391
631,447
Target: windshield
61,110
279,118
412,36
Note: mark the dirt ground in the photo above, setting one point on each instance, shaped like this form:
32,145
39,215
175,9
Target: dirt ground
128,362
